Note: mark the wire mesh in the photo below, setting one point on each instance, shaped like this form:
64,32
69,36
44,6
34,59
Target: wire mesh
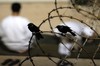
89,10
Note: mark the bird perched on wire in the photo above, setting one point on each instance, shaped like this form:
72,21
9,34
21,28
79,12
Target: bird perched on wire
64,29
36,30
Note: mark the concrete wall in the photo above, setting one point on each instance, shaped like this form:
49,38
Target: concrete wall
36,12
31,0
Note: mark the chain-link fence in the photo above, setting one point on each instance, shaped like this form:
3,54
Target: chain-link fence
89,11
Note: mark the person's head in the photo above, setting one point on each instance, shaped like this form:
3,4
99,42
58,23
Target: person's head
16,7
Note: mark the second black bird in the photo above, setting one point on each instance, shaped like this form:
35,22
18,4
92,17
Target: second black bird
65,29
35,29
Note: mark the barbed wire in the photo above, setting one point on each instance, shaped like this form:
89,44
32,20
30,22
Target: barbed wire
89,15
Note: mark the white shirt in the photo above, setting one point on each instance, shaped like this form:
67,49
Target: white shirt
15,33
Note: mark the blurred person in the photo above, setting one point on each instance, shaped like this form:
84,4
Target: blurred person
74,31
14,31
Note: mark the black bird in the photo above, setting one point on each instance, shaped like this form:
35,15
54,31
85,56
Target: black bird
65,29
35,29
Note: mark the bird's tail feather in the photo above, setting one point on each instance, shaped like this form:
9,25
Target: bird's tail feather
39,36
73,33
